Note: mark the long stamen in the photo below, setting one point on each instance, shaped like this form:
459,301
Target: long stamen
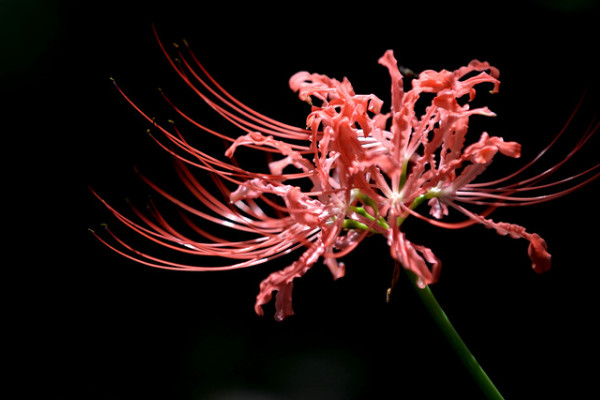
208,162
247,113
479,193
146,259
542,152
305,134
522,201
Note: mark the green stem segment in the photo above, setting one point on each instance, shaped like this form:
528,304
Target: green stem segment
442,321
426,296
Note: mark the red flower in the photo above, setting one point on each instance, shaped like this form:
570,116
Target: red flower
367,171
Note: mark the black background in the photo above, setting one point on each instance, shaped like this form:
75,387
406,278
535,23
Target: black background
136,332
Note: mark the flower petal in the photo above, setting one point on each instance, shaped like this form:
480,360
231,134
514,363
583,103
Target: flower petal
540,258
281,282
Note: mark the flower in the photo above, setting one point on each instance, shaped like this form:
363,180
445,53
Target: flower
358,171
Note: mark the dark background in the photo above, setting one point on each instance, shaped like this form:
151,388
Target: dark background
129,331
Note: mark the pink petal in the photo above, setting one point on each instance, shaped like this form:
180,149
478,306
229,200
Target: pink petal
438,209
388,61
540,258
283,302
281,282
337,269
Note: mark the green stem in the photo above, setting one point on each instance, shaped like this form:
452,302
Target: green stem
442,321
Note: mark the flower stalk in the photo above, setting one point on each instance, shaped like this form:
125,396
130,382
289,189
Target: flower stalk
462,351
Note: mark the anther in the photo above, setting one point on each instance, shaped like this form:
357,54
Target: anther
409,73
388,295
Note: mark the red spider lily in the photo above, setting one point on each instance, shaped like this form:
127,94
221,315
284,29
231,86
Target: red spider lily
367,171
